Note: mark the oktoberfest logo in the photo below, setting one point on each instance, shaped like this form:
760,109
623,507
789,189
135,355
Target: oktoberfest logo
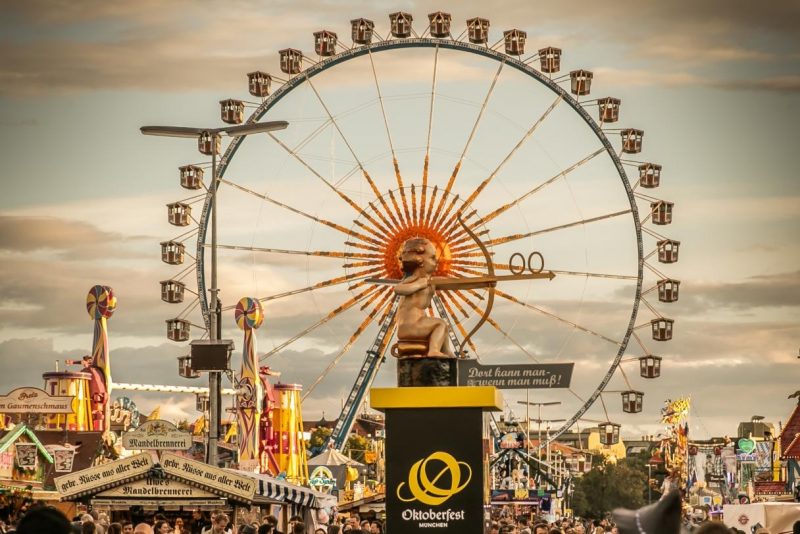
433,480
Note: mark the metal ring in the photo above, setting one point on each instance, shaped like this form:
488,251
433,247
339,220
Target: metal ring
530,262
511,263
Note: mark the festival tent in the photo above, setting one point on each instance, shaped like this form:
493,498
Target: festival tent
337,463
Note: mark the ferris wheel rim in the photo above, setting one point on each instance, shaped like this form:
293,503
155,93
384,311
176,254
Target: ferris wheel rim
484,51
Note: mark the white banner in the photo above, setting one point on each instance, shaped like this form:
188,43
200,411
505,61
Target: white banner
82,482
208,476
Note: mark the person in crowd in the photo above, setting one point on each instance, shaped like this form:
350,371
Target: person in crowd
298,528
334,529
162,527
273,521
114,528
179,526
219,525
143,528
43,519
198,522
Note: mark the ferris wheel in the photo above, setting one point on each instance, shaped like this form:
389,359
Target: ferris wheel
404,134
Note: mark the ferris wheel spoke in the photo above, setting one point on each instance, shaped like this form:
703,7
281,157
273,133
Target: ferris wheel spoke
313,135
336,190
555,317
344,138
423,199
325,283
438,225
467,203
457,167
315,253
516,237
395,164
446,298
500,329
562,174
467,270
596,275
625,376
640,342
345,349
327,317
327,223
384,294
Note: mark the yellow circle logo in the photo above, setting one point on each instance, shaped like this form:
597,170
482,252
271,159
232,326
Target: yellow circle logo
425,489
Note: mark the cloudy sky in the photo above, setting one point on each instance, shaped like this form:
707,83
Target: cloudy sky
715,85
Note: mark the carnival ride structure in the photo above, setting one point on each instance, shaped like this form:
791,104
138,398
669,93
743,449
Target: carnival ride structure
406,134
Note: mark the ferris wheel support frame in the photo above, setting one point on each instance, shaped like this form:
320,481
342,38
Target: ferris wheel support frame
428,42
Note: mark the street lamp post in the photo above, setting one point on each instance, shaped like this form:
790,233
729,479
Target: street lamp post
214,377
649,483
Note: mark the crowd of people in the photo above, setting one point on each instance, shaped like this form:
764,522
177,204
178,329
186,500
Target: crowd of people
666,516
41,519
663,517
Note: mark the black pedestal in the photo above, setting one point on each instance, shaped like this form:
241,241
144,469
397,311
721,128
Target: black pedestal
436,459
427,372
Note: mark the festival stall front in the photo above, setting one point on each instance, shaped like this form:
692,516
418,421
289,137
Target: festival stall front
142,485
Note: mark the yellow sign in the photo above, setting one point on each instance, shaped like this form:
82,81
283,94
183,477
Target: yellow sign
424,489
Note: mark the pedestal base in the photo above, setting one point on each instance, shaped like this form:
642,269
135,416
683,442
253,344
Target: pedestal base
436,459
426,372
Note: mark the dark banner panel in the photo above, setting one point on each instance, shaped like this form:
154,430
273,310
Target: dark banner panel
528,376
434,471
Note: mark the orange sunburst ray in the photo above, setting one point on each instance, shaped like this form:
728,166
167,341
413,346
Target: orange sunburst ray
344,350
402,190
349,303
428,221
302,213
413,204
319,285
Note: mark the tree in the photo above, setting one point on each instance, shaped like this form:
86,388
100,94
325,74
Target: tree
607,486
357,446
318,438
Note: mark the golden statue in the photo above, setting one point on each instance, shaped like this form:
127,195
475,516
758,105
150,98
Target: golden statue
419,261
418,334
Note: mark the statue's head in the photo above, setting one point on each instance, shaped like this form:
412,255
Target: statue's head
418,254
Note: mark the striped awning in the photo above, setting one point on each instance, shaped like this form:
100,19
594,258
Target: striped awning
281,491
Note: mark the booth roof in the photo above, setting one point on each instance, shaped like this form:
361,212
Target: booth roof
281,491
16,433
333,457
